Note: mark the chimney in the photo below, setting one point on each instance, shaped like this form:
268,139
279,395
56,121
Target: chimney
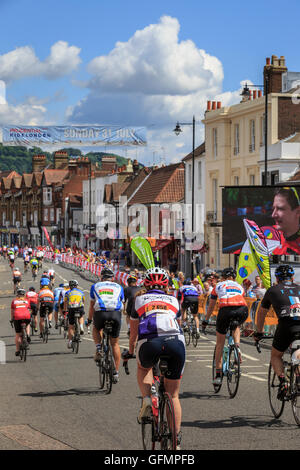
38,163
254,94
214,105
135,167
259,93
219,104
273,71
208,106
61,160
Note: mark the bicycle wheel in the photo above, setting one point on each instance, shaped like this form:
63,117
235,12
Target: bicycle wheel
109,368
295,395
148,433
217,388
233,373
187,335
167,424
273,387
194,333
100,365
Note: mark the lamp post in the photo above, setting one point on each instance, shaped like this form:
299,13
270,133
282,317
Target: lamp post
246,93
177,131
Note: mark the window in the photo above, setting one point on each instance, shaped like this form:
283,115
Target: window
14,218
35,218
262,131
199,174
215,197
252,136
252,180
46,215
274,177
236,180
52,218
189,175
236,150
215,142
47,195
58,214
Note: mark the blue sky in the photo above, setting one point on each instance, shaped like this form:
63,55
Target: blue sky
162,73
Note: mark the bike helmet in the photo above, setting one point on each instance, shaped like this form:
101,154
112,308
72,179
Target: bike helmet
188,281
106,273
73,284
32,289
132,278
229,272
45,282
156,277
284,271
21,292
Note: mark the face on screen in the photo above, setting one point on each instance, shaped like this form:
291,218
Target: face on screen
286,218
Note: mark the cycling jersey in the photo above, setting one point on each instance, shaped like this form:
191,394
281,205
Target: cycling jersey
188,290
129,296
32,297
51,272
230,293
46,295
20,309
158,313
26,259
285,299
34,262
75,298
17,273
108,296
57,293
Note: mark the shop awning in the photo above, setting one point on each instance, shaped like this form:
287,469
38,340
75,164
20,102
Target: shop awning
160,244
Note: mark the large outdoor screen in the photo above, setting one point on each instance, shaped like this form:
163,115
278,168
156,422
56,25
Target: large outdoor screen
275,209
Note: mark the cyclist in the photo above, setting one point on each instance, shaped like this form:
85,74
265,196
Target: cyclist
129,296
26,258
189,297
285,300
45,300
51,274
20,314
232,305
155,323
34,264
74,302
39,257
32,299
11,259
106,304
56,306
17,277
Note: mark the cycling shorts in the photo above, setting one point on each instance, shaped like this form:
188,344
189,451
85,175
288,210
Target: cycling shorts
226,314
149,351
100,317
33,308
71,314
43,307
18,323
284,333
16,279
192,302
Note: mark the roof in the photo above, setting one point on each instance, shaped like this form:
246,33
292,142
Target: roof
27,179
9,174
6,183
292,138
165,184
198,151
55,176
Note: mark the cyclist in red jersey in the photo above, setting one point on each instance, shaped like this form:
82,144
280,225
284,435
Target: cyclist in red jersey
20,314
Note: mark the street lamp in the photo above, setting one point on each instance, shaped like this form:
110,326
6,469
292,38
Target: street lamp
177,131
246,93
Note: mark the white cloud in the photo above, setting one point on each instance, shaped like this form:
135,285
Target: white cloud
26,114
2,92
23,62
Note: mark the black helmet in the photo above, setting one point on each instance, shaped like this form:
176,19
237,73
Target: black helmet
106,273
229,272
32,289
73,284
21,292
188,281
284,271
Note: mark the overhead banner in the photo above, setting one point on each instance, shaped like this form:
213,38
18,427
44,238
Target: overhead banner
70,135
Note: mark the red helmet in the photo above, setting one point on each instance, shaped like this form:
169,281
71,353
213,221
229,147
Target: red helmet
156,277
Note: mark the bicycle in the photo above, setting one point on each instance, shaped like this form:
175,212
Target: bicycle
231,363
46,329
160,427
34,273
16,286
24,346
106,364
190,331
76,336
292,377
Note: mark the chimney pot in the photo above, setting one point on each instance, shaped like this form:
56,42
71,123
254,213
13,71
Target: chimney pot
268,61
254,94
208,106
214,104
259,93
219,104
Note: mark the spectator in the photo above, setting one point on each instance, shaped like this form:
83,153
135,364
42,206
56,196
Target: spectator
258,288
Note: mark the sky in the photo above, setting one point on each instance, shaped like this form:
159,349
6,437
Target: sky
137,63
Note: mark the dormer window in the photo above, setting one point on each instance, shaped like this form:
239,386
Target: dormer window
47,195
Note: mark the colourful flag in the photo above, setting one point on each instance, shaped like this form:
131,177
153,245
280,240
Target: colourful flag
48,238
254,255
142,248
200,282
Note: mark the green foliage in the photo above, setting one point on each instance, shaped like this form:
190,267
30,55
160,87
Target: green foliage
19,158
